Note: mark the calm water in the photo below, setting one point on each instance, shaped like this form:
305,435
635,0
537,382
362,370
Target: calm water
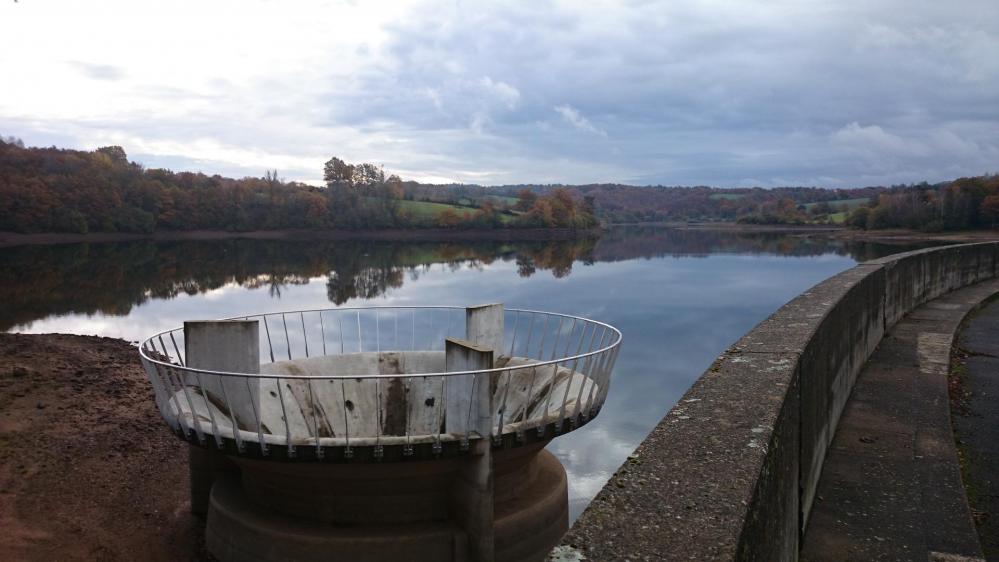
679,297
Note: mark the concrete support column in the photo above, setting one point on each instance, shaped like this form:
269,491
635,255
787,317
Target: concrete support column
232,346
471,401
484,326
205,465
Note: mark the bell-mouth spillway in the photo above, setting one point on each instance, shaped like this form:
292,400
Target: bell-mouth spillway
469,396
320,393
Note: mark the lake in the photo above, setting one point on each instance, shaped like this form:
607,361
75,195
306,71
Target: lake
680,297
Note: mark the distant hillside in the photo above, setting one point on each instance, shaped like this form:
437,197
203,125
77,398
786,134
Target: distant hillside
55,190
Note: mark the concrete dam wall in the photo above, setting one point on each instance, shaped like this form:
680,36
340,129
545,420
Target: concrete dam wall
730,472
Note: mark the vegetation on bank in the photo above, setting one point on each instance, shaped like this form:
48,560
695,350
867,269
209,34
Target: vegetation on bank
54,190
70,191
964,204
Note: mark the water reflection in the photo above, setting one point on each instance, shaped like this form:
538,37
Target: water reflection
679,297
42,281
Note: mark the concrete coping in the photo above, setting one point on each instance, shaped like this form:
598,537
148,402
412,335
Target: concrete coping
731,470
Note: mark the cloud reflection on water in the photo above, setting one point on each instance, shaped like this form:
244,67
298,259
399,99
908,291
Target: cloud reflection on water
679,299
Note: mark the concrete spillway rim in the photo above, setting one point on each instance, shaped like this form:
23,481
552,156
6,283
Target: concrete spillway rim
617,338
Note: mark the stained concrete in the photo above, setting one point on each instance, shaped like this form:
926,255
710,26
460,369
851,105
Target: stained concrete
891,487
732,471
976,420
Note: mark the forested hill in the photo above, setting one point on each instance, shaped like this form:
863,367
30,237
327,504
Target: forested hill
55,190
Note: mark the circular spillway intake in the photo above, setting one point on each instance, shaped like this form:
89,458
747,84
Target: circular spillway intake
482,388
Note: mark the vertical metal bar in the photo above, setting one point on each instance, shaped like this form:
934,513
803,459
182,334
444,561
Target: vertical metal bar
530,332
360,348
447,333
287,340
267,331
339,321
544,335
194,411
256,416
232,415
430,332
378,334
408,448
378,408
551,389
588,373
165,352
572,372
502,410
513,340
315,420
287,424
305,335
592,370
179,358
472,401
172,394
558,336
440,413
597,370
346,422
208,405
322,329
568,339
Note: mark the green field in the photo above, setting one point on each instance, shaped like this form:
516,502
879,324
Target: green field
837,203
428,210
730,196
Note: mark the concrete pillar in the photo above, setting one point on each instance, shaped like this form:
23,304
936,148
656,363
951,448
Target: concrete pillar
220,346
472,490
484,326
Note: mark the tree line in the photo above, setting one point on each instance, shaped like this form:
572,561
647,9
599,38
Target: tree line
965,203
59,190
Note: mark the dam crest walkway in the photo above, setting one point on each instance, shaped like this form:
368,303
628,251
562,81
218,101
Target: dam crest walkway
891,485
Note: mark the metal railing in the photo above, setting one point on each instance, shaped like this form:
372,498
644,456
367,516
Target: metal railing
333,380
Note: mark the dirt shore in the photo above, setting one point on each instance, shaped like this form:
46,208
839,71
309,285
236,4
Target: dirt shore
88,471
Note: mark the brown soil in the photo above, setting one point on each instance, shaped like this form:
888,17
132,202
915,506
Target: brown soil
88,470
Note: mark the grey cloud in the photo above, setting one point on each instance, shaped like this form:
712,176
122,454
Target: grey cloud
823,93
99,71
830,92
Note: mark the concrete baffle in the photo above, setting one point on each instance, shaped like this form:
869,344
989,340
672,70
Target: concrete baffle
229,346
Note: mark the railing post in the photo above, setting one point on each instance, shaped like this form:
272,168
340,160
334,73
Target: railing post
470,400
232,346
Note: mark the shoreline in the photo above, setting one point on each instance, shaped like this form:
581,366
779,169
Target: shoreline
9,239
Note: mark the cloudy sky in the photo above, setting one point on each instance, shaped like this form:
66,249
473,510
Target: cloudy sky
730,93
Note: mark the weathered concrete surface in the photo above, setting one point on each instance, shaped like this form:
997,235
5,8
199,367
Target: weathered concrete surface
731,471
891,487
389,511
470,410
976,420
220,346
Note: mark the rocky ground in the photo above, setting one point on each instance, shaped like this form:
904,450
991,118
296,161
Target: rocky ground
88,470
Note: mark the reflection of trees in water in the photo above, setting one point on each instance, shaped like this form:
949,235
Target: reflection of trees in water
632,242
40,281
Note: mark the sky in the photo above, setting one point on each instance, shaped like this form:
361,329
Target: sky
833,93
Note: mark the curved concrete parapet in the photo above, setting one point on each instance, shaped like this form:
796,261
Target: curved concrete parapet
730,473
